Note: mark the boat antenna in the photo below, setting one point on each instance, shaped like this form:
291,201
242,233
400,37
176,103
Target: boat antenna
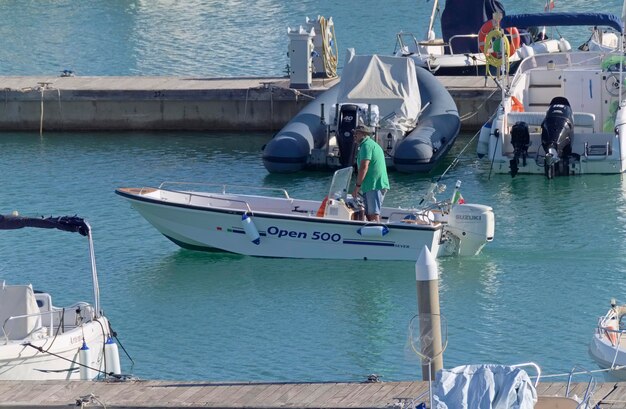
621,60
94,272
431,22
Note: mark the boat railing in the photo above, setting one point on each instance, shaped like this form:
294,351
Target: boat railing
170,186
413,46
191,195
201,198
530,365
57,326
591,384
459,37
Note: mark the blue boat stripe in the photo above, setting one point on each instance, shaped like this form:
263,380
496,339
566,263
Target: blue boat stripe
242,231
370,243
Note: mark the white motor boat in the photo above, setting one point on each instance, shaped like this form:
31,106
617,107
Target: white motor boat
465,25
208,217
608,344
415,118
562,113
41,341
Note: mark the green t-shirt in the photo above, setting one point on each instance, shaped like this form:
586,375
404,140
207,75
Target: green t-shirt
376,176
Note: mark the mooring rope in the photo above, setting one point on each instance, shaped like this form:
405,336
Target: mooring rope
458,156
40,349
472,114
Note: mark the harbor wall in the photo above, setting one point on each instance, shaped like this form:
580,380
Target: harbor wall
181,104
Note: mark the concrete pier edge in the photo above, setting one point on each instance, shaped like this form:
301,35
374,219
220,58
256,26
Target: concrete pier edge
74,104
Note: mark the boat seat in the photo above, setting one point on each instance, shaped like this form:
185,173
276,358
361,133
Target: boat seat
18,301
44,302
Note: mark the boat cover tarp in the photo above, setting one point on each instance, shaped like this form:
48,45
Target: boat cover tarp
389,82
484,387
463,17
73,224
563,19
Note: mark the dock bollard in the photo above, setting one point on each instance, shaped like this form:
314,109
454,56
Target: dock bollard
427,277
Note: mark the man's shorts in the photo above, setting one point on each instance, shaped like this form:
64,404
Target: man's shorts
374,201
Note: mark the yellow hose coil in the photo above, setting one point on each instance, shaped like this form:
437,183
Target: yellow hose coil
496,37
329,55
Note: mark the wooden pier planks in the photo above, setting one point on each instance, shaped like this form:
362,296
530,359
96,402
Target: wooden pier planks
176,394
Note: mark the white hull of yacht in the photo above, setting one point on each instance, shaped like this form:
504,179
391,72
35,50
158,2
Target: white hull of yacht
60,356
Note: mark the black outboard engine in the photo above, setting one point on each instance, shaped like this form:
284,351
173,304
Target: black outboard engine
556,137
346,123
520,139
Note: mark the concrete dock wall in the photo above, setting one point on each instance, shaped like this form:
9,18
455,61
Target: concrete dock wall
185,104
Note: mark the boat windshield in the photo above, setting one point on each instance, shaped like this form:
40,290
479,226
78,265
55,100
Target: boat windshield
340,184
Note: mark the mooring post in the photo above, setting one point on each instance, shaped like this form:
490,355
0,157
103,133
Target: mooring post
427,277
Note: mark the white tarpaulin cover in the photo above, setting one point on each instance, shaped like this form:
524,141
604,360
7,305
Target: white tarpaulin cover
389,82
484,387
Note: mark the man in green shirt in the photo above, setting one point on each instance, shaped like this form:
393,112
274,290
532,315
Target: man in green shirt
371,180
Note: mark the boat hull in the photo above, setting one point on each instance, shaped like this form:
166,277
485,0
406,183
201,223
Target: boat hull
60,357
436,132
298,236
606,355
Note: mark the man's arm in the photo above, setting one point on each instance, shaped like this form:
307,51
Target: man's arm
363,166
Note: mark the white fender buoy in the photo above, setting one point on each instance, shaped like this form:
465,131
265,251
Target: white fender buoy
112,357
483,140
250,229
84,358
564,45
373,231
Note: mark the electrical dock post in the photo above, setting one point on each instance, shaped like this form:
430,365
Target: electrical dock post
427,277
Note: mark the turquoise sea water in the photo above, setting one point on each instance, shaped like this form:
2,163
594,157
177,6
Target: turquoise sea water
533,295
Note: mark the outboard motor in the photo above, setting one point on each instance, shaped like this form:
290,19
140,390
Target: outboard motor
520,139
347,121
556,137
472,225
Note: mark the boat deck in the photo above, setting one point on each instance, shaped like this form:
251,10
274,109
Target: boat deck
172,394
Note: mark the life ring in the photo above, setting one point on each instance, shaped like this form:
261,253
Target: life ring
515,39
512,35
